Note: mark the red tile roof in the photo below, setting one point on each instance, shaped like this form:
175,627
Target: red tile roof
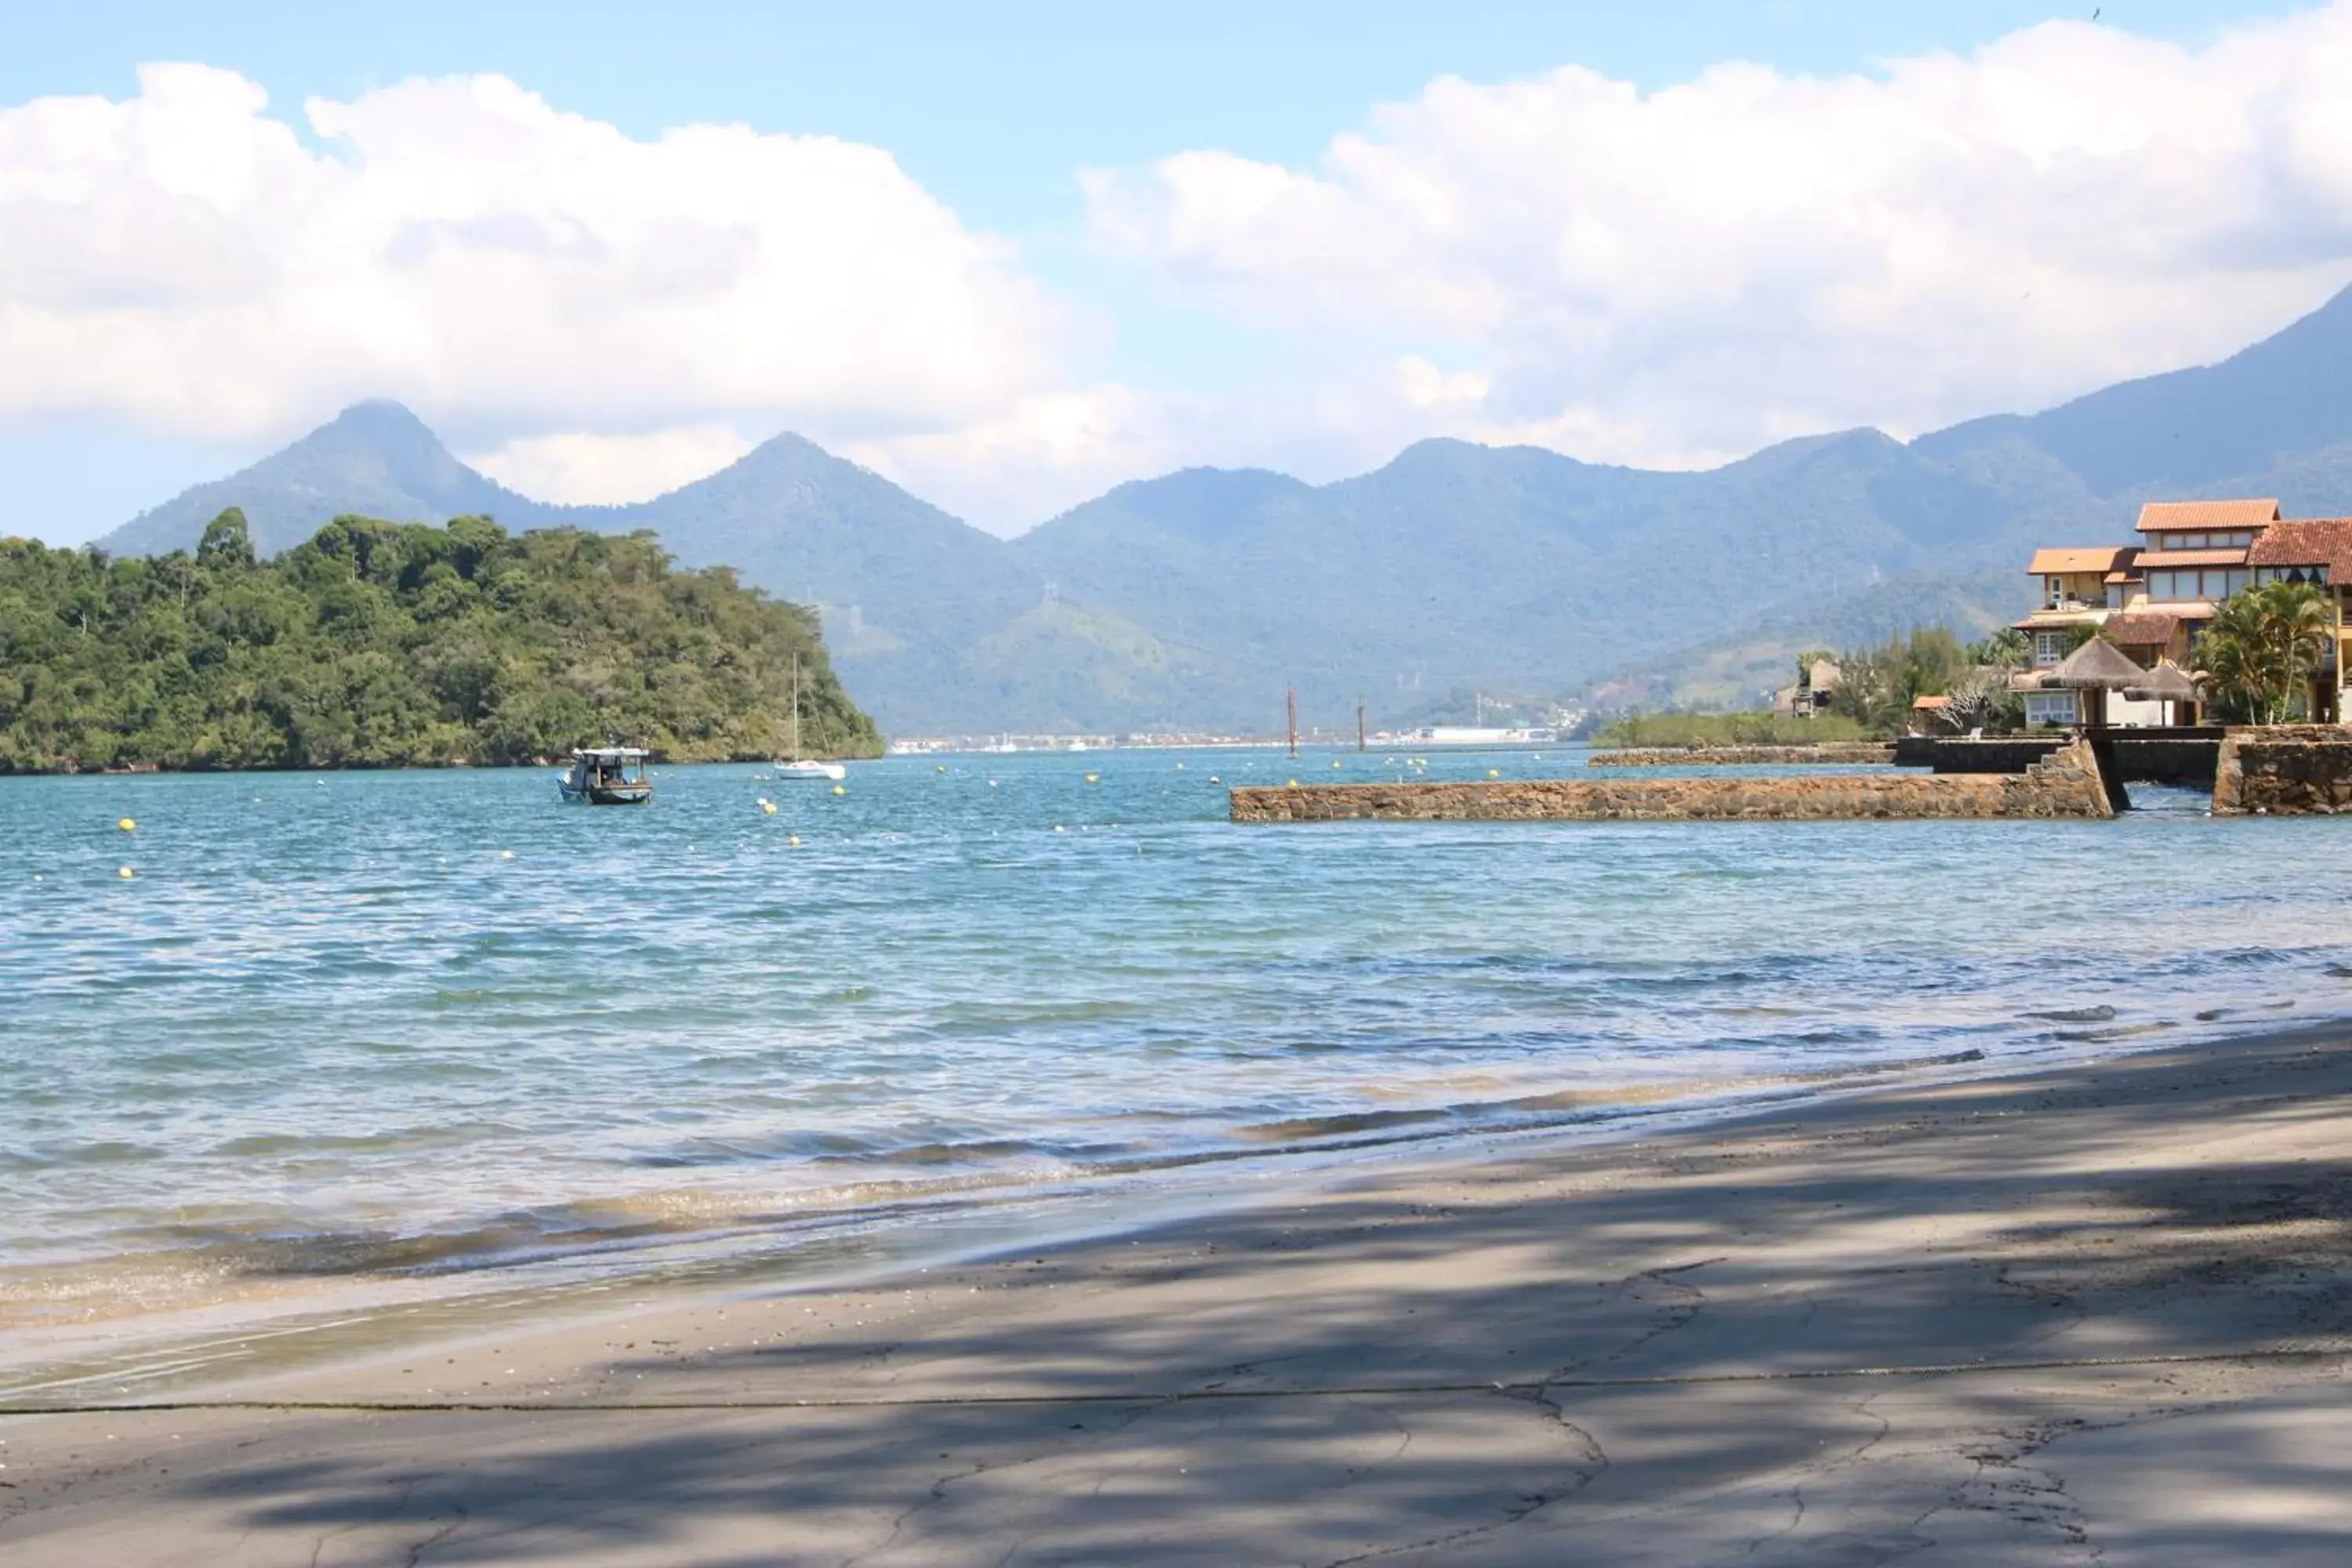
2140,628
2157,560
2306,542
2062,559
2170,515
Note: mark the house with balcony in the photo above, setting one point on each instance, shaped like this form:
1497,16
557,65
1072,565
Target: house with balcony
2149,599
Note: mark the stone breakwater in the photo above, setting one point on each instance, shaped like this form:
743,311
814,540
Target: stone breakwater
1829,751
2068,783
2284,770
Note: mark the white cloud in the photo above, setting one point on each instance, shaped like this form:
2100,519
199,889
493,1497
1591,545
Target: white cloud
1681,276
582,469
1671,278
589,306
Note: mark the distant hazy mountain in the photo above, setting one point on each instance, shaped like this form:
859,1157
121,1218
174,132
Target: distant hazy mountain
904,590
2188,430
376,459
1192,599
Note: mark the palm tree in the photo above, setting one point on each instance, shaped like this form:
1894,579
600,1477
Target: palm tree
2262,646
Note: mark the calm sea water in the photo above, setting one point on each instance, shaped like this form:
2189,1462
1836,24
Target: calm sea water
376,1024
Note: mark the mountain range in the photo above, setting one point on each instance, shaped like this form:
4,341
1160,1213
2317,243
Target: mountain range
1191,600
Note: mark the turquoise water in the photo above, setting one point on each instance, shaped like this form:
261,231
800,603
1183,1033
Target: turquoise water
347,1025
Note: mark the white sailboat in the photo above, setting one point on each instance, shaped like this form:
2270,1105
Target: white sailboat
796,766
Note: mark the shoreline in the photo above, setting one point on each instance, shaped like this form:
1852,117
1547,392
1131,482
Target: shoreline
302,1316
1991,1318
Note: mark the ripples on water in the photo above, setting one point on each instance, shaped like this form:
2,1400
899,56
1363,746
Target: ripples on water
355,1023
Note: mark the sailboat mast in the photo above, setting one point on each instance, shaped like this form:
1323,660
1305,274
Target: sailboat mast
796,707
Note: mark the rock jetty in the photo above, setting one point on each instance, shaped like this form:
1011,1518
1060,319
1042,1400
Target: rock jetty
1834,752
2067,783
2284,770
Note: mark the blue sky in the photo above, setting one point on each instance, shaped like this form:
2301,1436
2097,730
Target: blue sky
992,112
992,107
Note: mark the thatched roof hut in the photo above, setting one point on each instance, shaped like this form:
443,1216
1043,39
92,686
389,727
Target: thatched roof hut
2164,683
2094,667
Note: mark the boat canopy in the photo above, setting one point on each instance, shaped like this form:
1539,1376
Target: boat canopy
611,753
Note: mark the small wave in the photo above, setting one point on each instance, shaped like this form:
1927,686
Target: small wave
1300,1130
2121,1032
2073,1015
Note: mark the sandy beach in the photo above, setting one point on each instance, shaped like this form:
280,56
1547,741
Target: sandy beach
2097,1314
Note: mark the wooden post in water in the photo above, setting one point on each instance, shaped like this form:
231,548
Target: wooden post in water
1290,695
1360,723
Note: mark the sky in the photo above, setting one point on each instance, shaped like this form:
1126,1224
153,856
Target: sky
1013,256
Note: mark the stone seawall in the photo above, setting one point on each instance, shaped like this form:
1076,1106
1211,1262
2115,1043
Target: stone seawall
1820,753
2066,785
2173,756
2284,770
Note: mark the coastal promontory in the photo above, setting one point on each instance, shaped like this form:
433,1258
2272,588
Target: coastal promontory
388,645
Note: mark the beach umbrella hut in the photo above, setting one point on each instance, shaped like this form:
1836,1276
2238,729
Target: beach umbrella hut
2164,683
2095,669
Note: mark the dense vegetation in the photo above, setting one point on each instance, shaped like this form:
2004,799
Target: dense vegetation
1878,685
383,645
1747,728
2263,646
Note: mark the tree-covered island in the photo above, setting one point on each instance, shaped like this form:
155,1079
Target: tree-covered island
392,645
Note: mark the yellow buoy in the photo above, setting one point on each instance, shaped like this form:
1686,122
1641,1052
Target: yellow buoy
1294,783
506,853
126,873
794,841
768,806
1494,772
128,824
1094,778
938,767
838,790
1335,765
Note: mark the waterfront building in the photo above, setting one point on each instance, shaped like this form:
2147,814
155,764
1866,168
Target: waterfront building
1817,684
2151,600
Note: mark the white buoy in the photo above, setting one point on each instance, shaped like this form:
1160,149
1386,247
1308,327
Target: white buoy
126,873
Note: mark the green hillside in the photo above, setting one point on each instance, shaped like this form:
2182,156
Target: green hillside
1742,666
1193,600
386,644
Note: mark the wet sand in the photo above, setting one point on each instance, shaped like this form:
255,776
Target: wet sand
2102,1313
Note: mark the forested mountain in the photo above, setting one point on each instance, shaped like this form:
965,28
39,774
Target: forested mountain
378,643
373,460
1191,600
